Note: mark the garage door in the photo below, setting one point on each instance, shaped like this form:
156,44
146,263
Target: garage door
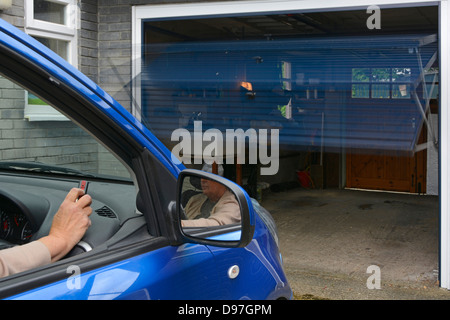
387,172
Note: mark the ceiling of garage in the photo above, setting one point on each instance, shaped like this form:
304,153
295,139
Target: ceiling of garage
393,20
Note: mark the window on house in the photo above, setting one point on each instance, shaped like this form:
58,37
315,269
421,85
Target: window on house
381,83
53,23
401,77
50,11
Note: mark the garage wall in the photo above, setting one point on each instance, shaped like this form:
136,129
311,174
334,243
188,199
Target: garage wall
433,162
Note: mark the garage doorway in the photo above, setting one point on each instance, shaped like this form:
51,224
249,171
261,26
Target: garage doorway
354,106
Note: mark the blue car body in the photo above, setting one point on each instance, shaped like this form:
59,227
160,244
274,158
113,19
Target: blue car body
162,268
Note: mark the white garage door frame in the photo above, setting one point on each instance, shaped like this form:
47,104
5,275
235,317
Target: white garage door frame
211,9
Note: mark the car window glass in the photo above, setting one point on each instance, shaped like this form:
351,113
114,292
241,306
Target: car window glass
53,144
41,161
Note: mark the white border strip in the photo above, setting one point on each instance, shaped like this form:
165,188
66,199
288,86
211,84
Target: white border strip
444,16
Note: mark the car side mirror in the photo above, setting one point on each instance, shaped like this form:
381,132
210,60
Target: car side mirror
212,210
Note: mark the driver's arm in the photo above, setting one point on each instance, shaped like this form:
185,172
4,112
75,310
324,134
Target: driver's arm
22,258
68,227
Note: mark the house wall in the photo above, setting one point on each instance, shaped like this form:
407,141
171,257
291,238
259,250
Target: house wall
15,14
114,47
88,39
57,142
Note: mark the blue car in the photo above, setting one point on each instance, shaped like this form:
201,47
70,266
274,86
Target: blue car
141,244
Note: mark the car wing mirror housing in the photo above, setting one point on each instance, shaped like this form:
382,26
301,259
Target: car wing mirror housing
212,210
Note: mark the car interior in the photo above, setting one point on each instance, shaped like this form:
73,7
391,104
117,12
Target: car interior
29,202
41,161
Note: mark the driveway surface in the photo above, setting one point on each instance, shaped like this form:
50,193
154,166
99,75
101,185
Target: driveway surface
352,244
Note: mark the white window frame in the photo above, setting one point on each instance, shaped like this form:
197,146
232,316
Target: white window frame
44,29
214,9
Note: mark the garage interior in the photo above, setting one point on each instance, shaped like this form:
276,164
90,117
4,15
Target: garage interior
357,183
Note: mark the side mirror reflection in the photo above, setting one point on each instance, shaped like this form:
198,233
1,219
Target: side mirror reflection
208,209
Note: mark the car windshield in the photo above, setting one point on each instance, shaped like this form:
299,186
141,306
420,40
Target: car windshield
39,167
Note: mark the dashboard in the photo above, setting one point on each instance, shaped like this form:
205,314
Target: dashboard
14,225
29,202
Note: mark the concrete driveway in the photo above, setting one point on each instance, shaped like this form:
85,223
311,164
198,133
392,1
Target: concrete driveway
337,244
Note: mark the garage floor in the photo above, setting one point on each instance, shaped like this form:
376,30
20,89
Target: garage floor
329,238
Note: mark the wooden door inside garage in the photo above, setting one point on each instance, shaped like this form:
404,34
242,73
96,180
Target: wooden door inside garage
387,171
